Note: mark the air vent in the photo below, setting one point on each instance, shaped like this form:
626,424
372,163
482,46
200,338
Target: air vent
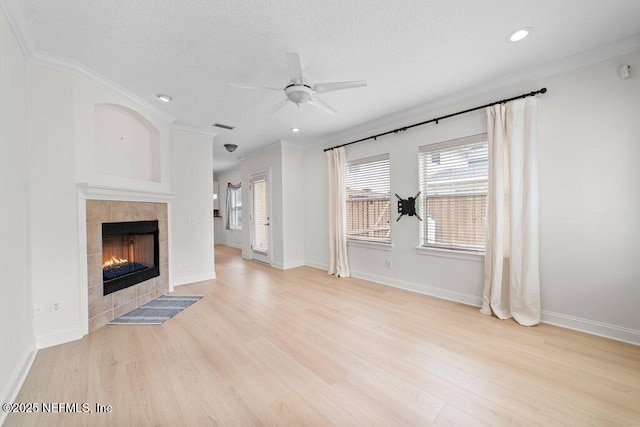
223,126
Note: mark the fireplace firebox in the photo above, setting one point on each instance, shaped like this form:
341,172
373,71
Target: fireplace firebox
130,254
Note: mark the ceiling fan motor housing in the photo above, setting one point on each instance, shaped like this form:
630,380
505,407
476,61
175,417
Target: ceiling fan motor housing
298,94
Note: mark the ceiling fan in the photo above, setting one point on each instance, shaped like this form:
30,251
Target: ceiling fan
299,91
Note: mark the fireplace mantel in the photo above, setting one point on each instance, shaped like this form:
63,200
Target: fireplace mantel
104,192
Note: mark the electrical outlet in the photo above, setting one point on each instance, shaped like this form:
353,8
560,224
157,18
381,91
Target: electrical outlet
388,263
56,306
38,309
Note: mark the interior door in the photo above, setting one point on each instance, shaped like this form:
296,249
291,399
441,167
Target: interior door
260,222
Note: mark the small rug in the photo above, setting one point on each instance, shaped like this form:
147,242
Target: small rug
157,311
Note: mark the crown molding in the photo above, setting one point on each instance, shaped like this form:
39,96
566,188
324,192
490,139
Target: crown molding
543,71
483,91
27,43
193,129
261,150
18,24
63,64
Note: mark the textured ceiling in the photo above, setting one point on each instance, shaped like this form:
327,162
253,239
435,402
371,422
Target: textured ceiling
409,52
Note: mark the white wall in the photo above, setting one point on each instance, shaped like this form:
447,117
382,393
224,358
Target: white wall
293,205
53,202
126,143
589,194
231,238
589,148
18,345
89,145
191,211
284,162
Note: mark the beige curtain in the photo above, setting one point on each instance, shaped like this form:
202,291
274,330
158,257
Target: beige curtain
511,281
338,262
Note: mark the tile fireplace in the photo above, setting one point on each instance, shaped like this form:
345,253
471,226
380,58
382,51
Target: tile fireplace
127,257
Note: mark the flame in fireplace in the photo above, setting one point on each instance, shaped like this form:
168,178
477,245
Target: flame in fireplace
114,262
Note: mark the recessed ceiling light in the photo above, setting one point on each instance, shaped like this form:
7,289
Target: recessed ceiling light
295,129
518,35
164,98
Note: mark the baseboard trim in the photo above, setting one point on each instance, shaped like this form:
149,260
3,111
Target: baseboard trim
319,265
296,264
60,336
282,266
19,374
231,245
420,288
592,327
187,280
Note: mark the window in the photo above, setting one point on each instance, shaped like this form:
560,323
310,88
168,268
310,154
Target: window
234,207
368,199
453,185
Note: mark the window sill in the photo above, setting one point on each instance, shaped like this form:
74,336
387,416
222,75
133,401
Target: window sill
371,245
450,253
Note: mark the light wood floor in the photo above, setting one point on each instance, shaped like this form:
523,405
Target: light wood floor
273,347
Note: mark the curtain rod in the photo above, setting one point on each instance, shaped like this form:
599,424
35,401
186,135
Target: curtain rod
436,120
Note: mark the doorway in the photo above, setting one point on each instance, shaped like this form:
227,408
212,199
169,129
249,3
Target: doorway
260,218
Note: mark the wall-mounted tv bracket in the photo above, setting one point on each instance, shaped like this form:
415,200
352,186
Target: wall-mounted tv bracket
407,206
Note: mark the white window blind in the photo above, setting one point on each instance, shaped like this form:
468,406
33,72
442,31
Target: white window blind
368,184
260,220
235,209
453,182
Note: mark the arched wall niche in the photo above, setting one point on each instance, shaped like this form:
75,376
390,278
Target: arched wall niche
126,143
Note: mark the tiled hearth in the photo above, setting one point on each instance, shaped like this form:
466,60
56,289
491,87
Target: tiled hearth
103,309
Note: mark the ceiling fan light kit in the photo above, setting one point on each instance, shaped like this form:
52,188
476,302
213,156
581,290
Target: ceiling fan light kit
299,92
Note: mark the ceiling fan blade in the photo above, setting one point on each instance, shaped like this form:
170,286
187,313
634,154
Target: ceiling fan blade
319,103
278,106
295,70
330,87
243,86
